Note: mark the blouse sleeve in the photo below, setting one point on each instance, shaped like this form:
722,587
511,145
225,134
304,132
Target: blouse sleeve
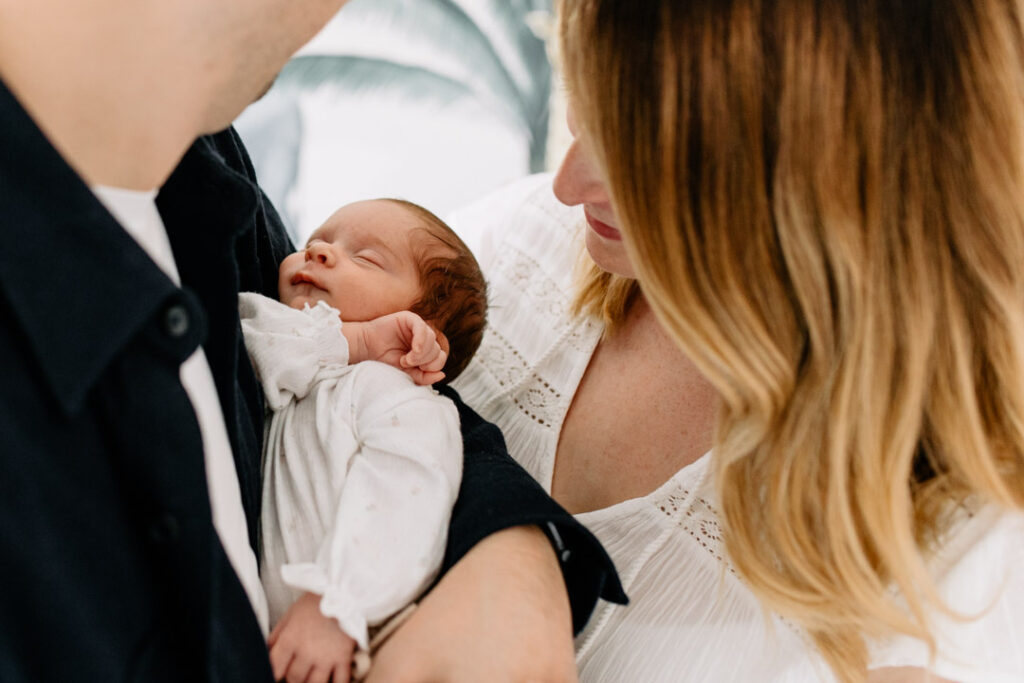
980,576
290,349
389,532
482,224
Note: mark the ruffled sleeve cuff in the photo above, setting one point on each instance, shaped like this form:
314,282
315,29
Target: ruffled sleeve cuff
291,349
334,602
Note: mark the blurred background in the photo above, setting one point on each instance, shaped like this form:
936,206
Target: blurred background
434,101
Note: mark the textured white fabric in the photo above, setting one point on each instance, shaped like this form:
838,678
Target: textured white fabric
690,617
360,470
137,213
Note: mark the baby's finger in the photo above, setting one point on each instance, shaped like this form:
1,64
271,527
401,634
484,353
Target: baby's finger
319,675
272,638
422,356
423,378
423,337
298,670
279,661
342,671
435,364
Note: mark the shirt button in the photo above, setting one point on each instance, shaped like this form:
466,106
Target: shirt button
176,321
164,529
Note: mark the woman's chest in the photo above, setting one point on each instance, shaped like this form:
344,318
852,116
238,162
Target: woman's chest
640,413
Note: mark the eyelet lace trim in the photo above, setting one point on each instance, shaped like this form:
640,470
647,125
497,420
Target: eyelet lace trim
544,295
532,393
501,359
700,520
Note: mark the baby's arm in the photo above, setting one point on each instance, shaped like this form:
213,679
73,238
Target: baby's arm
289,348
402,340
307,646
388,534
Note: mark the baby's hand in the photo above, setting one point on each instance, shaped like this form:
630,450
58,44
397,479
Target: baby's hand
307,647
403,340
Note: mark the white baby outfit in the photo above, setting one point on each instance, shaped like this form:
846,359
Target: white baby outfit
690,618
361,468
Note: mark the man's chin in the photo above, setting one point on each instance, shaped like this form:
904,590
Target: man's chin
266,88
221,120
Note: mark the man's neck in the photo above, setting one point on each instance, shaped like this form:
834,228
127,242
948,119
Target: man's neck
95,106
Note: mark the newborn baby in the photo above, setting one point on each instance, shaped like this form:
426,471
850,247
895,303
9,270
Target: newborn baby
361,462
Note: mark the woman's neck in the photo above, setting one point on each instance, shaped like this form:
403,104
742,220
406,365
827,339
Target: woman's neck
641,413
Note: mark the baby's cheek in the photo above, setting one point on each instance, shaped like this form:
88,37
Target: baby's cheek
286,271
291,263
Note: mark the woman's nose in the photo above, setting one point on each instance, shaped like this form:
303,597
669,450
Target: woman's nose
578,180
321,252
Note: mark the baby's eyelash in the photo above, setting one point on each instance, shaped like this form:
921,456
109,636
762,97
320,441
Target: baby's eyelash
369,260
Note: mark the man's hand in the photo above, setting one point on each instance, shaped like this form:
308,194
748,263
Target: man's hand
403,340
500,615
307,647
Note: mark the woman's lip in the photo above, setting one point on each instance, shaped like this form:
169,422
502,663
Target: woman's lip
603,229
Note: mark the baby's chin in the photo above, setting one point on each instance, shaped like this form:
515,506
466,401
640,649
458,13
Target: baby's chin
300,301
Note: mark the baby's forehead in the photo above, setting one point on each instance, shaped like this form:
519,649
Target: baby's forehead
384,219
393,223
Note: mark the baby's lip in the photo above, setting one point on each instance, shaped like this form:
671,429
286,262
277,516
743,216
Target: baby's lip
304,278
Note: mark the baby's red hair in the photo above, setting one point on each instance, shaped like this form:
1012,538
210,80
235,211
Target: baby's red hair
454,293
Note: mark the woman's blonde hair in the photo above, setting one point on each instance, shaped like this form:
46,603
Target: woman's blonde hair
824,204
603,295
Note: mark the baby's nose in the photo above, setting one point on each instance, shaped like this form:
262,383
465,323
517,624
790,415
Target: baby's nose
320,251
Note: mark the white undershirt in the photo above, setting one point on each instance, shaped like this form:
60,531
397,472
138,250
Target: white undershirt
137,212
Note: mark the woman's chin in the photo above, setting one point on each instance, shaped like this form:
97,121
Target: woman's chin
609,255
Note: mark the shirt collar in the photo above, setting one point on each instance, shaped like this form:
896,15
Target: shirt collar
77,283
208,203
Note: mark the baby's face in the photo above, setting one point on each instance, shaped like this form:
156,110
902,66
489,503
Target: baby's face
360,261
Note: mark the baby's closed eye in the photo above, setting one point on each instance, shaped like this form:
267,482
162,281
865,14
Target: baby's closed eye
370,257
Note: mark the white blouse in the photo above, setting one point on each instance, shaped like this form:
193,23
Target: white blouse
360,470
690,617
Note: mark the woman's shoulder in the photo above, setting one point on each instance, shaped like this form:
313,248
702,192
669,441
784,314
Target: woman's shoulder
974,536
978,568
525,214
531,194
